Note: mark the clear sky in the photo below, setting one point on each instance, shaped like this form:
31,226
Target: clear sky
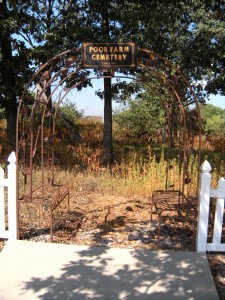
91,104
217,101
87,101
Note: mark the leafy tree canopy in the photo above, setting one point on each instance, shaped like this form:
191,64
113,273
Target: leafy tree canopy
144,115
214,120
189,33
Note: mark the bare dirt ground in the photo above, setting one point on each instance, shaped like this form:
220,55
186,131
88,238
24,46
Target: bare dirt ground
107,220
95,219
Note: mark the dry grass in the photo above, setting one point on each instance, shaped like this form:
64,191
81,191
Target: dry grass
137,177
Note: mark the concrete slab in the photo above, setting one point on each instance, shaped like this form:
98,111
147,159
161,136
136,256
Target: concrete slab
47,271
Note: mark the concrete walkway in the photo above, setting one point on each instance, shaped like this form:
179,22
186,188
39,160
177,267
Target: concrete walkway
32,271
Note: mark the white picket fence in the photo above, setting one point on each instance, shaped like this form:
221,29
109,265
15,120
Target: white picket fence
205,195
9,211
8,201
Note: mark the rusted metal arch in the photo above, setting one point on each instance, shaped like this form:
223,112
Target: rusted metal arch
64,66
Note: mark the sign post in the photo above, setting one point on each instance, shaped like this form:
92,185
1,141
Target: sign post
109,55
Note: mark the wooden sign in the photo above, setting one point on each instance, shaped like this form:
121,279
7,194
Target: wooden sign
109,55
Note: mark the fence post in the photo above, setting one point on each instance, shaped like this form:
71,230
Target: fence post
218,223
2,204
203,209
12,198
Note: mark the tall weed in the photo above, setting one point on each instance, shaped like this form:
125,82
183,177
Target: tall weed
136,174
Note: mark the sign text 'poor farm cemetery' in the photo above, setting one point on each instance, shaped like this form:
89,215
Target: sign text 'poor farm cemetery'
109,55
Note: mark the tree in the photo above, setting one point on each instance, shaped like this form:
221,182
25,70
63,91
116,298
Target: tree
214,120
206,43
152,114
140,119
67,125
189,33
114,21
10,83
31,33
103,13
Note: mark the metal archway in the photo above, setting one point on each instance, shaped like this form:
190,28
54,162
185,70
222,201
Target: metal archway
46,90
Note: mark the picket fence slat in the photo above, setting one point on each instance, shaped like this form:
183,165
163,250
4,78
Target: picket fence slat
218,223
205,196
2,204
9,226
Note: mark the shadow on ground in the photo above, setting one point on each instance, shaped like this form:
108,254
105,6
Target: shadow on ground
104,273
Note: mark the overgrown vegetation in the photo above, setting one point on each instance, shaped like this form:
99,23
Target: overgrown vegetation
140,166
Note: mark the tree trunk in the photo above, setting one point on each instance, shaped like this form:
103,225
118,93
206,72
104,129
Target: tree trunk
11,116
8,81
107,157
